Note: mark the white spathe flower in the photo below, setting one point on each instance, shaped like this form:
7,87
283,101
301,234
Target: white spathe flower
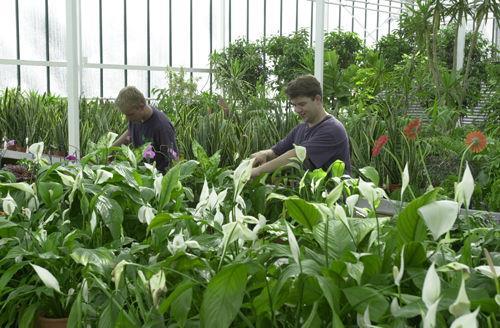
486,270
67,180
461,305
158,286
351,202
93,221
157,185
192,244
439,216
369,192
294,246
219,217
456,266
27,212
430,317
146,214
405,180
110,139
33,203
465,188
432,287
398,273
364,321
9,205
260,225
466,321
151,168
395,308
102,176
300,152
117,272
238,229
37,150
241,175
177,245
47,278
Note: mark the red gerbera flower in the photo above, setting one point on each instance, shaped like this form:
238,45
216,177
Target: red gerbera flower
476,141
379,144
411,129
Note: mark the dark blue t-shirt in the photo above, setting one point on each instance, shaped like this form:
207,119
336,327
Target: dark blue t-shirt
160,132
325,143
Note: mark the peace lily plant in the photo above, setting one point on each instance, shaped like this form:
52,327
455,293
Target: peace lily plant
119,244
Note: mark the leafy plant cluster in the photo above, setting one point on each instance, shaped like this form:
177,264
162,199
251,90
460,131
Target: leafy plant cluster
26,116
118,244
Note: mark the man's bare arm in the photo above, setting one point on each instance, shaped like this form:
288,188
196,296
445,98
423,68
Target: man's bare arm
263,156
124,139
274,164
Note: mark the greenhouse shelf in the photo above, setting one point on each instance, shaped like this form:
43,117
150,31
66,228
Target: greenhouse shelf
12,154
390,207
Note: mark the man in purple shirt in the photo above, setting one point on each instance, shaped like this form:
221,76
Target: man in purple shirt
323,136
146,124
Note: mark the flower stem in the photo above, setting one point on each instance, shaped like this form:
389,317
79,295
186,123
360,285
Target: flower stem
462,160
425,166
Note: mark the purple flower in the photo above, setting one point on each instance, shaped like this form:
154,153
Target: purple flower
149,152
11,143
70,158
173,154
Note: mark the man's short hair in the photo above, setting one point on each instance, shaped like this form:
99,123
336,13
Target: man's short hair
130,97
304,86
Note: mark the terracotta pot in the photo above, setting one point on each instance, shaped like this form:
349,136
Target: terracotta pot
43,322
393,187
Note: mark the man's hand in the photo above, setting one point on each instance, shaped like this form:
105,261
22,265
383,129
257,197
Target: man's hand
260,158
255,172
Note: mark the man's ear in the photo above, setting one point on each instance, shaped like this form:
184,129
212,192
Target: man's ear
318,98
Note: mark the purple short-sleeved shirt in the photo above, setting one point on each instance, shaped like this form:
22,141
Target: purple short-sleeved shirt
325,143
160,132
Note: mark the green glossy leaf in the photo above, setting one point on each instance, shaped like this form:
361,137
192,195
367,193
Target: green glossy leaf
50,192
181,306
168,184
370,173
414,255
337,168
5,224
28,316
410,225
102,258
223,297
112,215
187,169
179,290
360,297
23,186
8,274
303,212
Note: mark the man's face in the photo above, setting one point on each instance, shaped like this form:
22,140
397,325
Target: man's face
133,114
307,108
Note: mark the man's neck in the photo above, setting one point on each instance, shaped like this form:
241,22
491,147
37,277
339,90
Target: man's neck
148,112
321,117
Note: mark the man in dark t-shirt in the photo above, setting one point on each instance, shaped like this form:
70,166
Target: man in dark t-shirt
146,124
323,136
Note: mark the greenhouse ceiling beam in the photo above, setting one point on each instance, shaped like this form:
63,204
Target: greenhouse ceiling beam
32,62
319,40
145,68
396,13
73,54
97,65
